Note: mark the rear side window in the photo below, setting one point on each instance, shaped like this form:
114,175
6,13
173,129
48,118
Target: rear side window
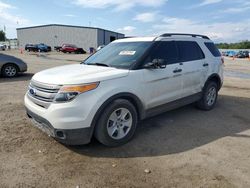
189,51
167,51
213,49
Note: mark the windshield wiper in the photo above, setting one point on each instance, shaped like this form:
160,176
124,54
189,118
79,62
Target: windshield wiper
99,64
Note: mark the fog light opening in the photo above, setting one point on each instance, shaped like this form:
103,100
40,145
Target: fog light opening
60,134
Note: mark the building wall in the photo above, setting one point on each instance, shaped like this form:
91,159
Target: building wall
58,35
104,36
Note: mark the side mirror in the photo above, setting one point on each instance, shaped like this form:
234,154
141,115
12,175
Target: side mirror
155,64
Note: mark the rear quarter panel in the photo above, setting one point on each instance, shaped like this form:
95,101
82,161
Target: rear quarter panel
215,63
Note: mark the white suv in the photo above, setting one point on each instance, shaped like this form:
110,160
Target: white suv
127,81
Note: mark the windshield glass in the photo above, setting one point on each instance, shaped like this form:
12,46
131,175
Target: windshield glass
119,54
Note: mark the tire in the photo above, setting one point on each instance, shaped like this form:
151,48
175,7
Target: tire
9,70
113,130
209,97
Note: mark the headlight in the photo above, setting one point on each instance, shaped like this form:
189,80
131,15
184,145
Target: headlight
68,93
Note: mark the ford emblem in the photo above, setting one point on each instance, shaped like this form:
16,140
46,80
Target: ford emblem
32,91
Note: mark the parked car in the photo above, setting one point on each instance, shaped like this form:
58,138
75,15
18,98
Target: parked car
37,47
125,82
246,54
70,48
240,55
57,48
44,46
226,53
10,66
231,54
28,46
223,53
2,47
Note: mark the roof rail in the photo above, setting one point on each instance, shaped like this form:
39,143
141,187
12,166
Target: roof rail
184,34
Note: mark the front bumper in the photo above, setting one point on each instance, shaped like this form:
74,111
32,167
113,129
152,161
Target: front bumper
66,136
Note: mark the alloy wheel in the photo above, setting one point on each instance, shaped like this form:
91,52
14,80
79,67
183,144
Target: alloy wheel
211,96
10,71
119,123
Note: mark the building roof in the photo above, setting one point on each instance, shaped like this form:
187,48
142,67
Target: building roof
61,25
136,39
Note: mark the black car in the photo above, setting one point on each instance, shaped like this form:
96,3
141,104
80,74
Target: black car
29,46
246,53
242,54
57,48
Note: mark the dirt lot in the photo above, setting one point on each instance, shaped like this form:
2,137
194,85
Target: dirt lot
182,148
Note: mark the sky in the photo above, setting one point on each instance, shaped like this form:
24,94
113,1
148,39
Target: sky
221,20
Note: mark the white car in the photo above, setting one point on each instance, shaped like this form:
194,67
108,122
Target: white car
2,47
127,81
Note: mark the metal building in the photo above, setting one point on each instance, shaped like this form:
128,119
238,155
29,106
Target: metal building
57,35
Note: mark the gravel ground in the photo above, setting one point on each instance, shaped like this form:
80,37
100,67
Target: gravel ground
181,148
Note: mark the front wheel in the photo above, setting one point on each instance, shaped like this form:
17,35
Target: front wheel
209,97
9,70
117,124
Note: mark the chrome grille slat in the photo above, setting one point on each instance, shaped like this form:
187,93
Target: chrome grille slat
43,94
45,90
43,99
43,104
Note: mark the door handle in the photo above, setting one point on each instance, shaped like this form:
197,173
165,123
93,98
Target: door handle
177,70
205,65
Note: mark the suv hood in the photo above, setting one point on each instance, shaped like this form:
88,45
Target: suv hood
78,74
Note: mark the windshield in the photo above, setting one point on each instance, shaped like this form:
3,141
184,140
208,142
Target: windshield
119,54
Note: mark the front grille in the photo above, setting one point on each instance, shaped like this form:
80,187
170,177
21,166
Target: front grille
42,94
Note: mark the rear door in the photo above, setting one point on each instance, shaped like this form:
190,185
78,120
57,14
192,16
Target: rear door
163,85
193,65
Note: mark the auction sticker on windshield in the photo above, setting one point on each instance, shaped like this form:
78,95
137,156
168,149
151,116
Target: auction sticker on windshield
127,53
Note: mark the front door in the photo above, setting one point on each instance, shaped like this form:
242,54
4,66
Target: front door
163,85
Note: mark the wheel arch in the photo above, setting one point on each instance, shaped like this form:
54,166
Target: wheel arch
215,78
127,96
9,63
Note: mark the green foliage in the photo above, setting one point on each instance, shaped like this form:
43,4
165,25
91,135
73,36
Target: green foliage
239,45
2,36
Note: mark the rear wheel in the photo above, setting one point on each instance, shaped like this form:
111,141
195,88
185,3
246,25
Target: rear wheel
117,124
9,70
209,97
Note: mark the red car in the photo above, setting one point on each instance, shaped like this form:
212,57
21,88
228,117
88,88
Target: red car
72,49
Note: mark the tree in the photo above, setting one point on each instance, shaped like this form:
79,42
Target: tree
2,35
239,45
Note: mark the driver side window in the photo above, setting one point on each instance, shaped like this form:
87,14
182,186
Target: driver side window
165,51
